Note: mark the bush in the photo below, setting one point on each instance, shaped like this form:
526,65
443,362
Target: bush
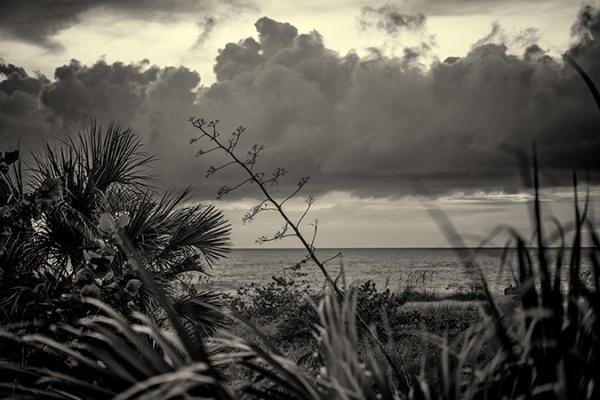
289,306
60,231
284,301
373,306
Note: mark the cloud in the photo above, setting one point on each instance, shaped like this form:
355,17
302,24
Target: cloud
207,25
586,31
18,80
37,22
155,101
376,125
471,7
372,126
390,19
517,40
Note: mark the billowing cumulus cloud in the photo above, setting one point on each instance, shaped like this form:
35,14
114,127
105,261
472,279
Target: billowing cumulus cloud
375,125
371,126
37,22
155,101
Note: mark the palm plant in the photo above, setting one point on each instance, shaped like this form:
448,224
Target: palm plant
80,187
106,355
88,168
17,209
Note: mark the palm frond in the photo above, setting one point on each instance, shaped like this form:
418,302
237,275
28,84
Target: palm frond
111,156
200,229
202,312
11,177
88,165
148,227
171,236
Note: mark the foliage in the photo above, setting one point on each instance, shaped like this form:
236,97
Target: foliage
279,297
375,305
547,346
285,302
290,304
106,356
343,372
61,227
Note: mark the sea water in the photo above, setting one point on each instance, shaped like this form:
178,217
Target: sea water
440,270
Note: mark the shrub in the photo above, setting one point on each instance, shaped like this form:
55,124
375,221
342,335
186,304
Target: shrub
60,231
290,306
284,301
374,305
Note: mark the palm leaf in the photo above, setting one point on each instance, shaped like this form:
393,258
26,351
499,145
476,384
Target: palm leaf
202,312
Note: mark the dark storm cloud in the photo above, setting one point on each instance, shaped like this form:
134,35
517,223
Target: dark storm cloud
274,36
116,91
375,125
17,79
587,30
155,101
37,21
390,19
372,125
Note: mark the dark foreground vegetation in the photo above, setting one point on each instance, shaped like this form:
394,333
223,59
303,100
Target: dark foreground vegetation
96,300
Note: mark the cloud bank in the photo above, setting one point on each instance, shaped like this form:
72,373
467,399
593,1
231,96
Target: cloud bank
370,126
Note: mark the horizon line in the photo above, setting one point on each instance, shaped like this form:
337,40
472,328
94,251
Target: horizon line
400,248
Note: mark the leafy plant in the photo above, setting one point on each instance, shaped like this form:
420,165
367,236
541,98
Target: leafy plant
107,356
61,228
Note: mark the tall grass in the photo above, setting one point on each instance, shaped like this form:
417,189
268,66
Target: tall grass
544,345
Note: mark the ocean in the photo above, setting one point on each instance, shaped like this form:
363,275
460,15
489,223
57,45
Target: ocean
441,270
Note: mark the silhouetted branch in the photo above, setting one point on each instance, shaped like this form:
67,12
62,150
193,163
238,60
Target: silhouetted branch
280,234
254,211
338,254
315,225
208,130
278,173
253,155
211,170
300,185
201,152
224,190
309,203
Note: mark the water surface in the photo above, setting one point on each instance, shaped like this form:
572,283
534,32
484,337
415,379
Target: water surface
441,270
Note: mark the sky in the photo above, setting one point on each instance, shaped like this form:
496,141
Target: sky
393,108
